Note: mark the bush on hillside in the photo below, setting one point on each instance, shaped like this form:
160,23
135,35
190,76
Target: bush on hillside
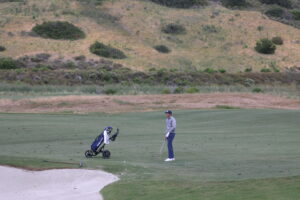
277,40
210,28
296,14
175,29
275,12
2,48
7,63
162,49
265,70
103,50
265,46
234,3
192,90
181,3
59,30
282,3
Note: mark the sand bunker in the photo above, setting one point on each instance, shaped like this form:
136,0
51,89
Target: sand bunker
58,184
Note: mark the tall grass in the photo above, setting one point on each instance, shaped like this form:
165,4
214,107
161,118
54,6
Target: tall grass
16,91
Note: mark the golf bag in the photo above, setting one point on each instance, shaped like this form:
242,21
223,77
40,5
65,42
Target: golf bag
98,145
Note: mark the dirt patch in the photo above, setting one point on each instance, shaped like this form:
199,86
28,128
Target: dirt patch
116,104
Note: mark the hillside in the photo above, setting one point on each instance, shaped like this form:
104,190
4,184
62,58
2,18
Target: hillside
216,37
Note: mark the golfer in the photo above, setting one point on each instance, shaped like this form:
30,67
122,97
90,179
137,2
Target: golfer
170,134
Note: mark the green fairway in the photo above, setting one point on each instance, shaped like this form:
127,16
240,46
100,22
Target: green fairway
220,154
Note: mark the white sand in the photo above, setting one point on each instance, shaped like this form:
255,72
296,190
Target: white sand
56,184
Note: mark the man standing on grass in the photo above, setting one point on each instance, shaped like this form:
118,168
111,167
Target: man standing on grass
170,133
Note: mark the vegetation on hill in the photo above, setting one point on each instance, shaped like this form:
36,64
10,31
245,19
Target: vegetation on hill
162,49
59,30
265,46
181,3
106,51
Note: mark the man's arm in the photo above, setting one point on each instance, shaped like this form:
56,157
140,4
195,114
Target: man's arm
172,128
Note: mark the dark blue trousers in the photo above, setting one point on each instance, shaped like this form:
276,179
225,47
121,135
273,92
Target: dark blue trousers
170,145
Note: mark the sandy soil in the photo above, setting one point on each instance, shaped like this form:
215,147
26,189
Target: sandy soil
58,184
115,104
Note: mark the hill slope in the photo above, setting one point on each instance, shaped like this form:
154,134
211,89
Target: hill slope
215,36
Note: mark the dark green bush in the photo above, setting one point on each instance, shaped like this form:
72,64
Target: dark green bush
234,3
192,90
210,29
265,46
275,12
166,91
7,63
257,90
210,70
181,3
175,29
162,49
283,3
296,14
249,69
59,30
103,50
222,71
2,48
179,90
110,91
277,40
265,70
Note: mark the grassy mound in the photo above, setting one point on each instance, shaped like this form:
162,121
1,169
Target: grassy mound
59,30
103,50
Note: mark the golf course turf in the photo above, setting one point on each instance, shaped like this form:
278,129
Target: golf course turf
236,154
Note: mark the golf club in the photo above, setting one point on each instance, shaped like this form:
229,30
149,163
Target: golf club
162,146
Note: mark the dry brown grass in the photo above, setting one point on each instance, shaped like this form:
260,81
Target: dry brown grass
142,103
139,30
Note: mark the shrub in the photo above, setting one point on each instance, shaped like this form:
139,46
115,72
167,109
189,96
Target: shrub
2,48
283,3
59,30
257,90
110,91
103,50
192,90
234,3
222,71
296,14
265,70
265,46
277,40
179,90
7,63
175,29
248,69
210,29
275,12
166,91
162,49
209,70
181,3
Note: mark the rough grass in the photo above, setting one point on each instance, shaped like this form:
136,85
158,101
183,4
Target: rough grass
215,160
231,48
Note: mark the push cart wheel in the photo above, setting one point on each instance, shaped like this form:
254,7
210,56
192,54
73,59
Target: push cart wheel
89,153
106,154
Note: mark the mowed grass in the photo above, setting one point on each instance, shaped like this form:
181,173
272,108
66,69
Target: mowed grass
220,154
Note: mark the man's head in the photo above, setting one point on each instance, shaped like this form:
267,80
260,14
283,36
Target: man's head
168,113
